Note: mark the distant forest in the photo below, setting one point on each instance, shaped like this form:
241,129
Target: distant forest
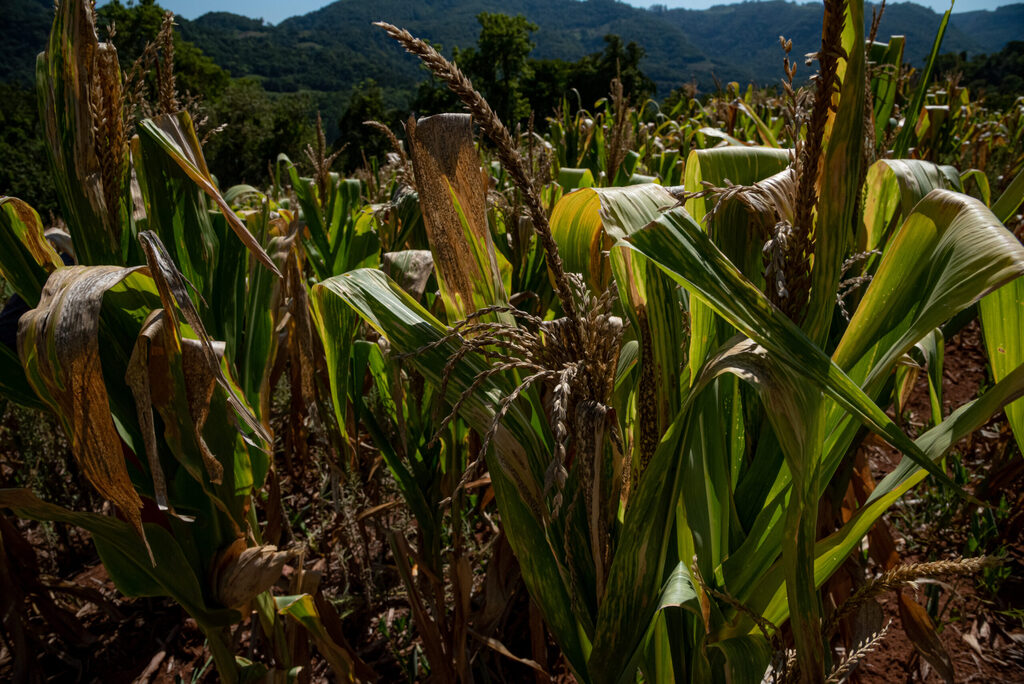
261,86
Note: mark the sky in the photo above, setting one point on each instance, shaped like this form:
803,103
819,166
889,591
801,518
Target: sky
274,11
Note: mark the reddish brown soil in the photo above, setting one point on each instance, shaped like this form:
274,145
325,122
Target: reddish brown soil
984,640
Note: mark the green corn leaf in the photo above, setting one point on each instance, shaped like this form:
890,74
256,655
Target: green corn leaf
302,609
632,594
949,253
763,131
981,180
1011,199
906,137
893,187
839,179
574,179
1002,320
176,137
676,244
887,59
742,166
521,442
26,256
177,209
768,598
126,558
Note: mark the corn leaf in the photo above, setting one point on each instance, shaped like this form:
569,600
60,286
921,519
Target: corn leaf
1011,199
887,58
514,462
678,245
303,610
1002,320
906,138
78,81
176,137
839,179
893,187
59,347
769,599
949,253
170,573
26,256
452,191
742,166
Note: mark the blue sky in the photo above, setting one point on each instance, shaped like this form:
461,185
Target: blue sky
274,11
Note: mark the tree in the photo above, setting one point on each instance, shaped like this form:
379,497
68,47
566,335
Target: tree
592,74
258,126
366,103
135,25
498,64
25,171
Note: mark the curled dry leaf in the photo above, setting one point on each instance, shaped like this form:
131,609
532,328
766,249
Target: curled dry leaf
410,268
921,631
138,379
28,257
150,378
172,292
244,573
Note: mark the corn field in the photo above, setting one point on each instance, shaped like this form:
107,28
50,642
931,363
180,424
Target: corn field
626,368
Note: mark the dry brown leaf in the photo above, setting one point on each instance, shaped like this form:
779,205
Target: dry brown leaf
173,294
59,343
244,573
138,379
199,385
411,269
921,633
34,241
446,164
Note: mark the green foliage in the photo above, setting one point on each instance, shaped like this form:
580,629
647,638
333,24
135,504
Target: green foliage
136,23
996,76
498,62
661,439
23,165
258,126
362,142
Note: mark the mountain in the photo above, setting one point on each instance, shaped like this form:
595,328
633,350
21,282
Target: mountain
335,47
23,33
338,44
747,33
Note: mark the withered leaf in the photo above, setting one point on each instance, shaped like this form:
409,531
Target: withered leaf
452,192
244,573
59,346
173,294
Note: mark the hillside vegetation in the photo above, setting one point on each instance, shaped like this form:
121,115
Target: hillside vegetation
332,49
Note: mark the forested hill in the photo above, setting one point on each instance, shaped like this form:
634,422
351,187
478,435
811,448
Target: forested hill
335,47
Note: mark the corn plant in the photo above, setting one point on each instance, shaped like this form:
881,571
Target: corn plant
659,481
165,402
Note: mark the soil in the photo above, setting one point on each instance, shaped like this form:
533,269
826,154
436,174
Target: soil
981,630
